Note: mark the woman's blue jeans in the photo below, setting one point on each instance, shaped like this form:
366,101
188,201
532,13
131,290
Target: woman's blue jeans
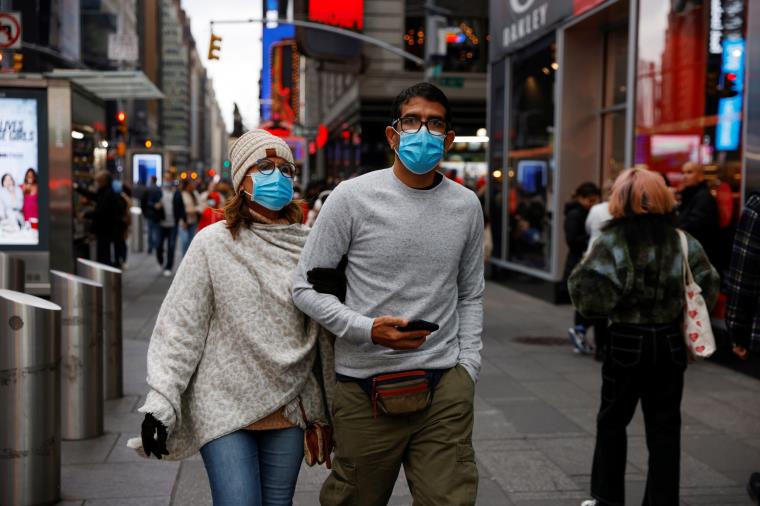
254,468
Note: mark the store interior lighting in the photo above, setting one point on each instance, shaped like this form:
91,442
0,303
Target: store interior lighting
474,139
104,144
76,134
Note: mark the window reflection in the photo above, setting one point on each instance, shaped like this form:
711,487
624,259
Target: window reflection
531,155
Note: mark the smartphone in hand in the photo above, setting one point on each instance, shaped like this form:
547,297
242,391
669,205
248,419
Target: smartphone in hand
419,325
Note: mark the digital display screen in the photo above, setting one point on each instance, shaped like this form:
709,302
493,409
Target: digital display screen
145,166
19,172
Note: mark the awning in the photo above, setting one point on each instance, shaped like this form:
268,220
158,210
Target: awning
112,84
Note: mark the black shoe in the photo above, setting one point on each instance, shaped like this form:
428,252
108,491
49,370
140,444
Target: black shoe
753,487
160,259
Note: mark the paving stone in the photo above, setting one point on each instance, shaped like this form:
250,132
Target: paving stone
69,503
121,405
491,424
725,454
121,480
142,501
311,478
87,451
499,387
525,471
573,456
490,493
192,486
536,417
562,394
120,452
128,423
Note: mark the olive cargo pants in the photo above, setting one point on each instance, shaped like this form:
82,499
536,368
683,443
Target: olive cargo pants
435,447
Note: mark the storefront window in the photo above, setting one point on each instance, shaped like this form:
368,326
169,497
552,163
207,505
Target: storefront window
690,75
531,155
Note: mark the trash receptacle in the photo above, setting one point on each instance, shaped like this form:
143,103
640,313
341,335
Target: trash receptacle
12,272
137,231
81,302
110,278
30,400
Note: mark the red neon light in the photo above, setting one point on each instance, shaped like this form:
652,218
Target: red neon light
343,13
731,76
322,135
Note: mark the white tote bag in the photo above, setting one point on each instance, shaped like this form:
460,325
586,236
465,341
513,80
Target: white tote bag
696,317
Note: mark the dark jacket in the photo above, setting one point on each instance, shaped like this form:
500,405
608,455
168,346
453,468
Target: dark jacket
575,235
148,200
634,273
743,279
107,217
698,215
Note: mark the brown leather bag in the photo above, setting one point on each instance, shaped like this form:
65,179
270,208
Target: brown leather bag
317,441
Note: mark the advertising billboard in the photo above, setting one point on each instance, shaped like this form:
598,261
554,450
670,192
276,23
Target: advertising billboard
145,166
20,180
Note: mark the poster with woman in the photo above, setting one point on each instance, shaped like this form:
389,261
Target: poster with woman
19,170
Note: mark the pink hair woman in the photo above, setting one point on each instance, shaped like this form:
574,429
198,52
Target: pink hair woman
633,276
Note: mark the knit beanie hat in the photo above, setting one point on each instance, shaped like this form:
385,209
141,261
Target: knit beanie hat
251,147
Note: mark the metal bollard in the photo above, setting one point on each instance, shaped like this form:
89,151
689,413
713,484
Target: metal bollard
30,400
110,278
137,232
81,301
12,272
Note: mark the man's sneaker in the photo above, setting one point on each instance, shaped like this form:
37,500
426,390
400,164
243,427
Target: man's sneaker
578,338
167,273
589,502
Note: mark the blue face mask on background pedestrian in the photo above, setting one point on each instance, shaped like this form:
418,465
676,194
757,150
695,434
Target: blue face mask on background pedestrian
420,152
273,191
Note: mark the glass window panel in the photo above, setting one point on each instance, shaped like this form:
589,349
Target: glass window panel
531,155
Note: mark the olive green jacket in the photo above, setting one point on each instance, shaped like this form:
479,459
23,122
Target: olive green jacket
646,287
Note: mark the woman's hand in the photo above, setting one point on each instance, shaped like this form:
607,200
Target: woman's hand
153,435
740,351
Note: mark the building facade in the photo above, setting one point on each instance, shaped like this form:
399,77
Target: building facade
579,90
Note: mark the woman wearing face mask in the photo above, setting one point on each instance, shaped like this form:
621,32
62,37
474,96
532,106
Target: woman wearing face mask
230,363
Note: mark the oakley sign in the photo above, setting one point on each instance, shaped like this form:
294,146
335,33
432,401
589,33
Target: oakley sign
518,22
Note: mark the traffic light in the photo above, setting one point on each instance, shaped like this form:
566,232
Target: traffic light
226,164
214,46
728,90
18,62
121,120
211,173
148,143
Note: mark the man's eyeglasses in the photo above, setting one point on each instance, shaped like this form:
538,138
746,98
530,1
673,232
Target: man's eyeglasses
267,166
412,125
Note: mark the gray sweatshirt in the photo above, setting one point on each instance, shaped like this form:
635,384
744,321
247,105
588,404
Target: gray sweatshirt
414,254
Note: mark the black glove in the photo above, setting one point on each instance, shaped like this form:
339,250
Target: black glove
332,281
151,444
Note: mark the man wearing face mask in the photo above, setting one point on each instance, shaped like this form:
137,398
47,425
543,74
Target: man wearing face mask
413,241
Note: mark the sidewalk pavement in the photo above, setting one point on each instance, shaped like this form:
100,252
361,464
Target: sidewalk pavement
534,423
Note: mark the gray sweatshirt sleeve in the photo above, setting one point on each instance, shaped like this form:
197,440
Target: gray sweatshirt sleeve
179,336
328,241
471,285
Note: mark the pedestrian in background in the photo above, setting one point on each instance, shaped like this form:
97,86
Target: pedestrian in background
743,290
634,276
153,214
414,245
231,359
212,213
106,217
126,222
188,226
172,210
585,197
698,212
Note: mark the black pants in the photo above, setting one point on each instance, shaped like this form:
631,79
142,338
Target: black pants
168,235
104,249
644,363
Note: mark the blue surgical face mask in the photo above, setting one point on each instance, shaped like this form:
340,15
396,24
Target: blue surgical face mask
420,152
273,191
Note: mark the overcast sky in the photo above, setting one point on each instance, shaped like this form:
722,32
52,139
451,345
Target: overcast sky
236,73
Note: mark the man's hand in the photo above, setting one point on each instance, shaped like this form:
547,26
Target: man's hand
740,351
153,437
385,333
